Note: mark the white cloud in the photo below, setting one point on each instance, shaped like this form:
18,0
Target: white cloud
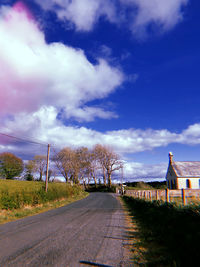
45,126
34,73
164,13
89,114
84,14
137,170
191,135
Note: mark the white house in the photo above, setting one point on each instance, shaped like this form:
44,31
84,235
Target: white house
183,174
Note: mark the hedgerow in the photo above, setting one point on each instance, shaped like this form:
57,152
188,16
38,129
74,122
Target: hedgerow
170,233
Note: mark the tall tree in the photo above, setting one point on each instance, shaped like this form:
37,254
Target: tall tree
94,166
87,164
10,165
109,161
64,162
81,163
40,162
100,155
30,166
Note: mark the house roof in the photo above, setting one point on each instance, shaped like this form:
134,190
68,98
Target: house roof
186,168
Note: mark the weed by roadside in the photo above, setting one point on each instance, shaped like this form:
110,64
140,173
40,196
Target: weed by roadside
170,234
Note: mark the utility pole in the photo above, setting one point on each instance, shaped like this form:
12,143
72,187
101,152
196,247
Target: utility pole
122,174
47,172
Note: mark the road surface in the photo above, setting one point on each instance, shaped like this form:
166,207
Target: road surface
89,232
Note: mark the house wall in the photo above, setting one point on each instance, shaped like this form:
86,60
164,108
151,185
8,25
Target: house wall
194,183
171,178
173,182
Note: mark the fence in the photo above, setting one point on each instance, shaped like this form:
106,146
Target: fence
184,196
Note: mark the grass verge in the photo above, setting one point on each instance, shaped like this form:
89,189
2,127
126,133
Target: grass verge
166,234
18,194
12,215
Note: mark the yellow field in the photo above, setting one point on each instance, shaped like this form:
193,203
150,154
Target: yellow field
19,199
14,185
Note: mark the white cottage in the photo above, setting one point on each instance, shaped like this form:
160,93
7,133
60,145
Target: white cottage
183,174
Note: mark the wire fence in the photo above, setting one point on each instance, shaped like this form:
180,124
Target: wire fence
179,196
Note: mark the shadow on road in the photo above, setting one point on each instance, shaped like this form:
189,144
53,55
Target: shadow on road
94,264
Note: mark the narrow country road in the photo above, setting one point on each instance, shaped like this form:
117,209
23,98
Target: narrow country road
89,232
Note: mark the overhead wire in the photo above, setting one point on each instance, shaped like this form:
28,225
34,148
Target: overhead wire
23,139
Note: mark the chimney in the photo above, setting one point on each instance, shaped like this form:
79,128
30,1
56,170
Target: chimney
170,157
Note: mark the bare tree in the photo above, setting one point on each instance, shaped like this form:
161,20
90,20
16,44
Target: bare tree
100,155
30,167
39,163
109,161
51,173
94,166
64,162
81,163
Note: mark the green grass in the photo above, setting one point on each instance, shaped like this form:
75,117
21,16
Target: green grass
14,185
12,215
21,198
168,233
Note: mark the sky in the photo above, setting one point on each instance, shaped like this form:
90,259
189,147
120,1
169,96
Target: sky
122,73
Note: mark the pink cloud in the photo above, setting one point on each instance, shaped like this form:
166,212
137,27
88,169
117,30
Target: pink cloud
20,7
35,74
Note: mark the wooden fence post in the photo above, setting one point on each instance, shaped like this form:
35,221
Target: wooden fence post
167,195
156,194
47,170
183,197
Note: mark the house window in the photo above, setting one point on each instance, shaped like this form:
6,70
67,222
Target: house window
188,183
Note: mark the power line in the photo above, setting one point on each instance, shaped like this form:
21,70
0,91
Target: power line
35,142
22,139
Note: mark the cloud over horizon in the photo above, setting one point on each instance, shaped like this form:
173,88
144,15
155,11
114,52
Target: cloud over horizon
44,125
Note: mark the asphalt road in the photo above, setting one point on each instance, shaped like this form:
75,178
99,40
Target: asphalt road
89,232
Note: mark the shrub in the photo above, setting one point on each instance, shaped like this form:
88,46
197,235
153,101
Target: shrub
9,201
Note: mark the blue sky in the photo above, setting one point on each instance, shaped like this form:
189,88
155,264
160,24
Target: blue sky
123,73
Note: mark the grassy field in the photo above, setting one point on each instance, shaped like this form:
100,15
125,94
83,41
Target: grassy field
22,198
166,234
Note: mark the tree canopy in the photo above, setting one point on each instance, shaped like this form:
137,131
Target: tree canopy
78,164
10,165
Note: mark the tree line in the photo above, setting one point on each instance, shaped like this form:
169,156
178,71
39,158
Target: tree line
79,165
